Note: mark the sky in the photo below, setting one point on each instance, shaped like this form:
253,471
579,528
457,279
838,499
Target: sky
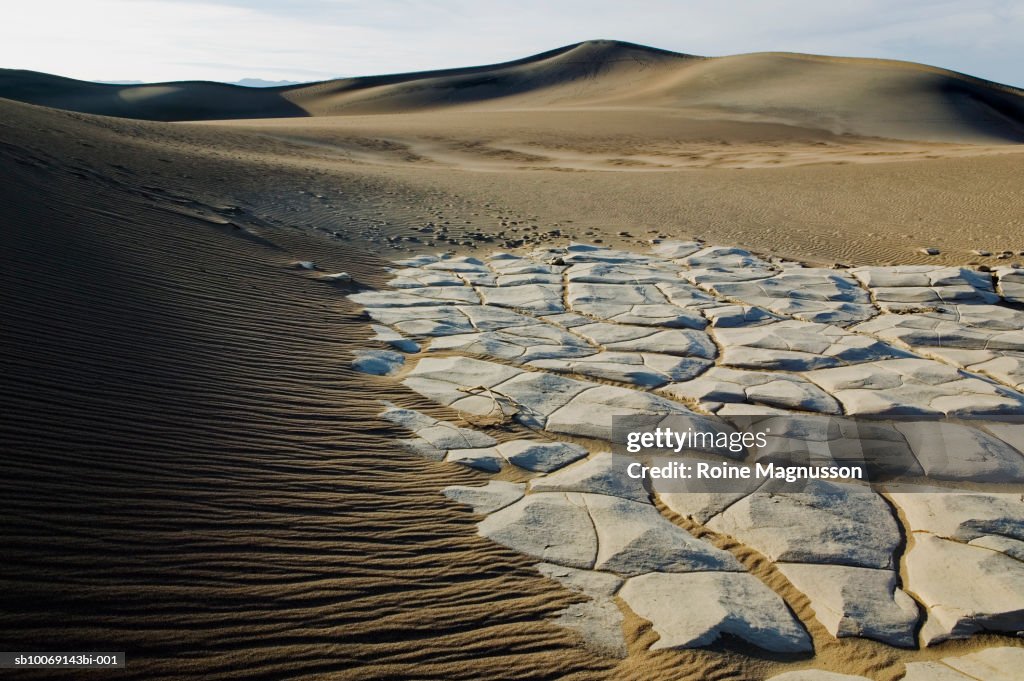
305,40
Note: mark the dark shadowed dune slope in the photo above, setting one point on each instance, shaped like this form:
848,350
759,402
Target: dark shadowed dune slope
181,101
190,471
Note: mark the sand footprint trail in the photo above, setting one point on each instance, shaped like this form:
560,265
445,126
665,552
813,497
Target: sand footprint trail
559,341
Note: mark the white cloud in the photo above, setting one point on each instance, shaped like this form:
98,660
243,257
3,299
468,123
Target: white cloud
312,39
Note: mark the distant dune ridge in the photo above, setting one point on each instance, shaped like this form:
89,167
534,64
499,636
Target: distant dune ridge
864,97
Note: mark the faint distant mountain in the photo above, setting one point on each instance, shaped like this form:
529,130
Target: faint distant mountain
259,82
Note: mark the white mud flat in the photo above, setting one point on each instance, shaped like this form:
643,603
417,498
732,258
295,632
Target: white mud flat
556,343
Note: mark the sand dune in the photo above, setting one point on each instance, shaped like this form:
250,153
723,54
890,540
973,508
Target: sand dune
186,472
581,74
181,101
194,472
842,96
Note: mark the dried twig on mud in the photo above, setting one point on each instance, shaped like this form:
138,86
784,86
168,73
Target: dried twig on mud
503,407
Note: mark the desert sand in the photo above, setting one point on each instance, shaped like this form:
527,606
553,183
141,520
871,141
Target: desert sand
194,469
